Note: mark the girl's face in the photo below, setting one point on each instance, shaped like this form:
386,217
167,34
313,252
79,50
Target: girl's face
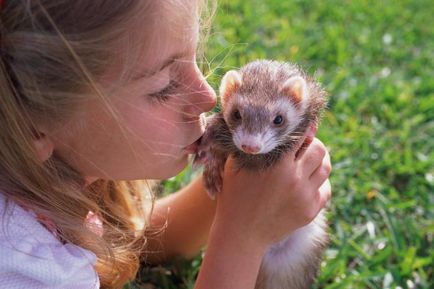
157,117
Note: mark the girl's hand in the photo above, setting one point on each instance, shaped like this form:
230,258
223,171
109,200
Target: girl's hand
263,207
256,209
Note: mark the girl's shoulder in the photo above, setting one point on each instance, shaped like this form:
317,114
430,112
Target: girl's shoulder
32,256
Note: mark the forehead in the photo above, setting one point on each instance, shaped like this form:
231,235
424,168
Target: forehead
162,29
175,30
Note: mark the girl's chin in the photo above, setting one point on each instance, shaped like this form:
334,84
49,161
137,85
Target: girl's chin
168,169
181,165
172,169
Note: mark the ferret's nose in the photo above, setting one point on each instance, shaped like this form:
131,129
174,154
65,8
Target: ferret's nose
250,149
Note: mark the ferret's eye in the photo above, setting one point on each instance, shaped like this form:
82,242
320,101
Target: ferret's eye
278,120
236,114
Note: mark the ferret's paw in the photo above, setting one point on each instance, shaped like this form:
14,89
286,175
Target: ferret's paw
201,158
213,189
203,154
211,194
213,182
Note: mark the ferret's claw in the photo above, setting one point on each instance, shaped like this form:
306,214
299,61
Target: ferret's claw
211,195
213,189
199,159
213,182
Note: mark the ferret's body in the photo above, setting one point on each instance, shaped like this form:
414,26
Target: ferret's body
293,263
266,109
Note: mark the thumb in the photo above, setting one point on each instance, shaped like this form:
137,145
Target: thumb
306,141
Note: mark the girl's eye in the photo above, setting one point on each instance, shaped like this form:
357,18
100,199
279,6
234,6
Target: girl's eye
165,93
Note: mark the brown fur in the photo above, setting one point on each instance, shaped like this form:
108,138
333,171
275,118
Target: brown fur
261,85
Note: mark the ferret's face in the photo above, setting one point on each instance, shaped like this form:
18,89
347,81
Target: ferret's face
259,129
262,114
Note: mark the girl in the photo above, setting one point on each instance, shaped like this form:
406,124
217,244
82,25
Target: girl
96,96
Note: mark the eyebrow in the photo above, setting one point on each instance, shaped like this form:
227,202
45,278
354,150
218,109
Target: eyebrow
169,61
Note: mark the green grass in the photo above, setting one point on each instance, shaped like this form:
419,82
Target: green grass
376,60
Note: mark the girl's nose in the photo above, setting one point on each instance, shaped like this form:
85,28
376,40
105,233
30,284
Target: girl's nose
203,97
208,95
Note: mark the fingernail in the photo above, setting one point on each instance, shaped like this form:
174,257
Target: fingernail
312,131
307,141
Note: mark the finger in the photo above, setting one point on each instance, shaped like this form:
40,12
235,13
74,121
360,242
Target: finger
309,136
231,168
322,172
313,156
305,144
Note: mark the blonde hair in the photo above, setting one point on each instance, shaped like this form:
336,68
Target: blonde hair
51,54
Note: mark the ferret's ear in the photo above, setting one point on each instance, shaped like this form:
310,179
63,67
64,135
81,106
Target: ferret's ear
230,83
296,89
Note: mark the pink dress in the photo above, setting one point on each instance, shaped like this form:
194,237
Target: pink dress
31,257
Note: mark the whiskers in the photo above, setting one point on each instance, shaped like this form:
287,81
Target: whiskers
226,139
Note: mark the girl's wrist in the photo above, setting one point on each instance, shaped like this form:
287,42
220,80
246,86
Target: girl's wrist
231,260
238,236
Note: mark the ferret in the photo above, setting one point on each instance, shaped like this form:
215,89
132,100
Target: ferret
267,106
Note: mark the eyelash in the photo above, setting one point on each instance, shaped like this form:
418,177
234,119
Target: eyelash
164,94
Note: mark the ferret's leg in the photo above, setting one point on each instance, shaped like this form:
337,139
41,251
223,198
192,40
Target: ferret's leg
212,156
213,171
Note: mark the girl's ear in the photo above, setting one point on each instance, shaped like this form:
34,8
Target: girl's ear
296,89
230,83
44,146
